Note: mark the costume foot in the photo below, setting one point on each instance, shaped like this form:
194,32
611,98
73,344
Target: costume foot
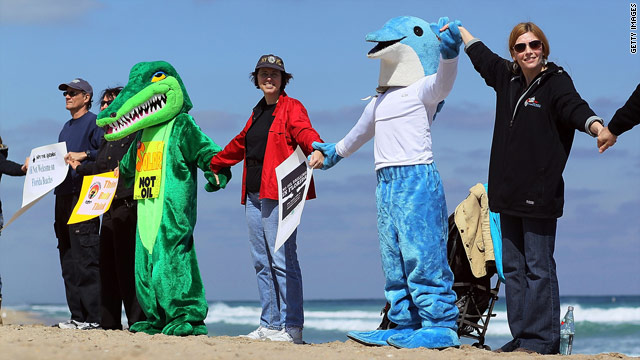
378,337
178,329
429,337
144,327
184,329
200,330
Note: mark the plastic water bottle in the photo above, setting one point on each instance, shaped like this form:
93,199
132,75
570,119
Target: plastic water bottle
567,330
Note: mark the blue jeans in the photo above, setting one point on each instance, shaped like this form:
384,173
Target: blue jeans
531,287
279,276
413,228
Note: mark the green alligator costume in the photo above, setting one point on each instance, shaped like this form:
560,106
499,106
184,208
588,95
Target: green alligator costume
162,164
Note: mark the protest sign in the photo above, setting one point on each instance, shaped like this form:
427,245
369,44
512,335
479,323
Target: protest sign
294,177
95,197
47,169
148,179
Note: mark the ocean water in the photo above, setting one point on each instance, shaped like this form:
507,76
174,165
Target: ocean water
603,323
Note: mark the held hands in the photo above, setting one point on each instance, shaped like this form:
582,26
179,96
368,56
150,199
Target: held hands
25,166
77,156
449,35
217,181
606,139
330,156
316,159
73,163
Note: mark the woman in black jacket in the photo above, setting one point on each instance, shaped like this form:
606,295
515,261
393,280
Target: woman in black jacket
537,113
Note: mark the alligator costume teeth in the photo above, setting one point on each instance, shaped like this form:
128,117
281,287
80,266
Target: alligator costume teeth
163,160
150,107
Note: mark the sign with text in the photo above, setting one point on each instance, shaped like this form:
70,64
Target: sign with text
47,169
95,197
148,170
294,177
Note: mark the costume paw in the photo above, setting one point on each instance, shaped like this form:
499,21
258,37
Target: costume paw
178,329
378,337
428,337
224,175
145,327
329,151
450,39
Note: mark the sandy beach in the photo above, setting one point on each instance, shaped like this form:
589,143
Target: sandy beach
24,337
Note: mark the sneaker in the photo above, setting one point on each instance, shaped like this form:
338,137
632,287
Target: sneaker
292,335
89,326
260,333
69,324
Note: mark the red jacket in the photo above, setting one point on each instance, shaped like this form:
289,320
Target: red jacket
291,127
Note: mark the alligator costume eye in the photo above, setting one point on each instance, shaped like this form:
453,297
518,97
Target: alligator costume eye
159,75
418,31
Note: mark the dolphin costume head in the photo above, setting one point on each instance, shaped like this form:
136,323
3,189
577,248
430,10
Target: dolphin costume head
408,50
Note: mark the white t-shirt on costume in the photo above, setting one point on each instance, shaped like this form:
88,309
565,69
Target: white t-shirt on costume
401,120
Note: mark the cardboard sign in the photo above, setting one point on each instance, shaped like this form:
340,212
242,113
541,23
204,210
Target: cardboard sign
47,169
148,170
294,177
95,197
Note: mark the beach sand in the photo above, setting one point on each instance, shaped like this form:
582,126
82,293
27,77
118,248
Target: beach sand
23,338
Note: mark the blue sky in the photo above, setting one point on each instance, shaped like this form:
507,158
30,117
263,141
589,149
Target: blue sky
214,45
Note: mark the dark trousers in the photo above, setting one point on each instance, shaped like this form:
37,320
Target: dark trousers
117,259
532,296
79,247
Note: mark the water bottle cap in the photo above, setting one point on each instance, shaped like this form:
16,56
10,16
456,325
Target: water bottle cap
570,308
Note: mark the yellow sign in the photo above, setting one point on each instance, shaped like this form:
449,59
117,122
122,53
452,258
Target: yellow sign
95,197
148,170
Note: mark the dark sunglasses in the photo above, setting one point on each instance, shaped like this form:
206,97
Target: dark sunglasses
103,103
71,93
534,45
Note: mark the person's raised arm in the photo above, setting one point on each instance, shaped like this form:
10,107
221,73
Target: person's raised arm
466,35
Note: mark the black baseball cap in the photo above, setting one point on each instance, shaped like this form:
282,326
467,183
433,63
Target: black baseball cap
78,84
270,61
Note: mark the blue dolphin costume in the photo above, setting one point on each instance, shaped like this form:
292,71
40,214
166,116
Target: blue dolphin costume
417,72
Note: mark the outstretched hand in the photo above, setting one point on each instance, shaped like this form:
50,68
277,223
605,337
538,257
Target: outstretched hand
330,156
606,139
449,35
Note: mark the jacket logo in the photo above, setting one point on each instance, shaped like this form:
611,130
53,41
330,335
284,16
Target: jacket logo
532,102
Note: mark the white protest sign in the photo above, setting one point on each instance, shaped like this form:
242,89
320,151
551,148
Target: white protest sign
47,169
294,177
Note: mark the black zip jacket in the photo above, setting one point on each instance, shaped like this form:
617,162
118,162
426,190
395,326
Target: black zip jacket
627,116
109,155
532,135
8,167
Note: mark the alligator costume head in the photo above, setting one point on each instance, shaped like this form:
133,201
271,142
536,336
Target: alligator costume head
154,94
408,50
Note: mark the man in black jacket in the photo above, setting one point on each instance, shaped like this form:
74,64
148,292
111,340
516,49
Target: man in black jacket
118,231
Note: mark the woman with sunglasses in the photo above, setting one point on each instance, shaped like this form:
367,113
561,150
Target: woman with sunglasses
537,113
